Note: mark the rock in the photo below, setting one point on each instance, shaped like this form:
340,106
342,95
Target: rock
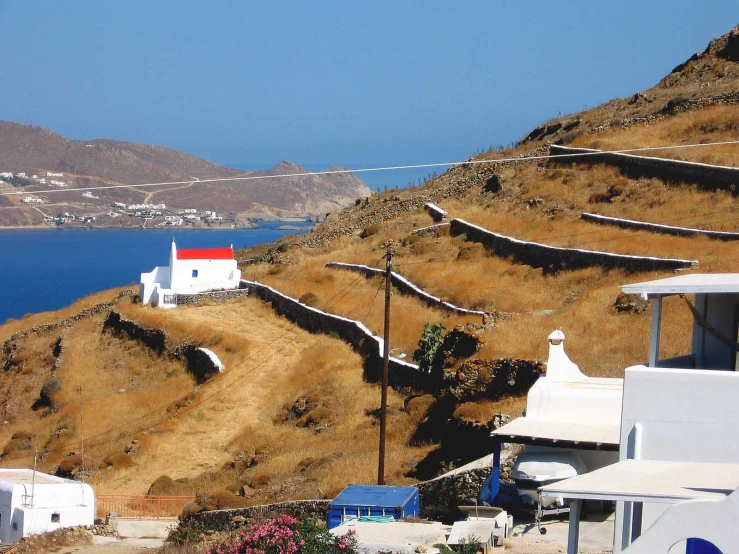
631,304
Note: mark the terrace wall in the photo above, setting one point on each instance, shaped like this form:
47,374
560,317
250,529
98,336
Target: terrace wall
553,258
709,177
657,228
407,287
401,374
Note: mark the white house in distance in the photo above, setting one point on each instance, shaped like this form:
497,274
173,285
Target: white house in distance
190,271
33,502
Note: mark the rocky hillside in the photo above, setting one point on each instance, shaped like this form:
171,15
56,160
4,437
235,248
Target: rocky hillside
295,413
101,162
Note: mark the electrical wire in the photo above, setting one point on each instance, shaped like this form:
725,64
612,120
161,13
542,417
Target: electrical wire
375,169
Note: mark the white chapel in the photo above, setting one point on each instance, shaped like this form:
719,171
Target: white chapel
190,271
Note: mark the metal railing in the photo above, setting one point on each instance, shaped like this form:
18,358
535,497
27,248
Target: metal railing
141,506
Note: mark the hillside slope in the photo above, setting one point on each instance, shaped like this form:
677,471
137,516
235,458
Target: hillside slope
105,162
297,417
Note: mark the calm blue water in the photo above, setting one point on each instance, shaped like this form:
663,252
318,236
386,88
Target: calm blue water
47,269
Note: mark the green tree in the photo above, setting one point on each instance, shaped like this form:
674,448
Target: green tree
428,345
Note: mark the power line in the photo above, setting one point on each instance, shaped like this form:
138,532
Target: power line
375,169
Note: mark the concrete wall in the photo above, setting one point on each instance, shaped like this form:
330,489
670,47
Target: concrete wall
553,258
709,177
678,415
657,228
212,274
401,374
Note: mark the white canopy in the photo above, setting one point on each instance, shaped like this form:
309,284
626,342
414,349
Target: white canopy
650,481
532,430
686,284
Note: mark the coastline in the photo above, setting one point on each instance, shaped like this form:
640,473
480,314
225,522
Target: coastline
85,260
289,224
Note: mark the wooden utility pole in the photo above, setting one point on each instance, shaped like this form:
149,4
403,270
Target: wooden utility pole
385,361
33,478
82,434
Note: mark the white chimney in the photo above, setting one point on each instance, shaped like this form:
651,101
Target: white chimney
559,366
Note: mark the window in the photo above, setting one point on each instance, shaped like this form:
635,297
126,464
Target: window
194,273
55,517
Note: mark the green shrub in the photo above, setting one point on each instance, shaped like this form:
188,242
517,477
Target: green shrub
428,345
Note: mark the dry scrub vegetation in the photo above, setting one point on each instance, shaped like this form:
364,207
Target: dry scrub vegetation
715,124
292,417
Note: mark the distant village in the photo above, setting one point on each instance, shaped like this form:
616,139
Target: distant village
158,213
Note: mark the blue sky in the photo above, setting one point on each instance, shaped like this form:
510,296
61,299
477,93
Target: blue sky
333,82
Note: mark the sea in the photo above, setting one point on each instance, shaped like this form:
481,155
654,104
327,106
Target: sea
47,269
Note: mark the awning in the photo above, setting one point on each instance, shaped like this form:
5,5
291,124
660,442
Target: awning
536,431
650,481
691,283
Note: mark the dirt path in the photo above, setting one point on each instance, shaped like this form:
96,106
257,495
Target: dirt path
113,546
199,440
149,195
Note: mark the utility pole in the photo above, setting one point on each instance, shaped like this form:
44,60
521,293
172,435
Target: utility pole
385,361
33,478
82,433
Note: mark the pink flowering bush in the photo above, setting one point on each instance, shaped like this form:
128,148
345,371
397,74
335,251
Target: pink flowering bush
285,535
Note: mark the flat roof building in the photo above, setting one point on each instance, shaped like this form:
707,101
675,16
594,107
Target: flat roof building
32,502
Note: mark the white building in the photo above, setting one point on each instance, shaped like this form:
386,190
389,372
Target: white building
33,502
52,174
190,271
571,427
677,478
32,200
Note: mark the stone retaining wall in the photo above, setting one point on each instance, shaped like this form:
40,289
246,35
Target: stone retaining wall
230,520
407,287
215,297
437,214
709,177
97,309
554,258
430,230
401,374
198,362
657,228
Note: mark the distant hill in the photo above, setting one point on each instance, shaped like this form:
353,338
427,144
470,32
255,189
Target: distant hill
36,150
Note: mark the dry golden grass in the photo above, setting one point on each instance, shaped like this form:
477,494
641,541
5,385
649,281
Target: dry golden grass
271,363
712,124
484,410
44,318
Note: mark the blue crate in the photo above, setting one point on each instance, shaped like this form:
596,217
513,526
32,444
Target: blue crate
373,500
